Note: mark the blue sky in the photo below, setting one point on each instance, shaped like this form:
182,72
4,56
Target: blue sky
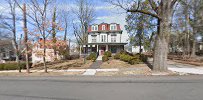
104,13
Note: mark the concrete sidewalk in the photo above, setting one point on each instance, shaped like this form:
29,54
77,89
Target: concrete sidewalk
185,68
79,71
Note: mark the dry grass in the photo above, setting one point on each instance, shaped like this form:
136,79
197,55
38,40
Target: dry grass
69,64
125,69
120,64
40,74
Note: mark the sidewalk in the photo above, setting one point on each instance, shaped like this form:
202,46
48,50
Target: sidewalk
57,72
185,68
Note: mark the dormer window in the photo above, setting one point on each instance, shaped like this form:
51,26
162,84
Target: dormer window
113,27
94,27
103,27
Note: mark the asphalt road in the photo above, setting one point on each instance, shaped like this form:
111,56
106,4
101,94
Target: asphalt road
102,88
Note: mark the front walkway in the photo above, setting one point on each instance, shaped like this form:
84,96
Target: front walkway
97,63
94,66
99,57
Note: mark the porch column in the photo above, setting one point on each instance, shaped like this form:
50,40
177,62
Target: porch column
107,47
80,50
97,48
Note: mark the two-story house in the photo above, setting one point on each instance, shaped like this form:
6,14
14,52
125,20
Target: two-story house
7,50
103,37
38,50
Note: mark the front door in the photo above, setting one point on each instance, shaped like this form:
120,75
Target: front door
113,49
102,50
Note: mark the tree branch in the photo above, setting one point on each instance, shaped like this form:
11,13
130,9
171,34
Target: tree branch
153,5
144,12
173,2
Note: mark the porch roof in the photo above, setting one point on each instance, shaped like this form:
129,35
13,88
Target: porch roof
105,44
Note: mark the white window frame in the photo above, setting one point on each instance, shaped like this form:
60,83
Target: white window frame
103,27
94,38
113,27
103,38
113,38
94,27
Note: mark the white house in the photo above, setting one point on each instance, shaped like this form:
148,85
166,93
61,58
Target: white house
38,51
136,49
7,51
103,37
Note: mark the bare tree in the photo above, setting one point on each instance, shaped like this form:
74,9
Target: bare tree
64,18
25,29
9,23
196,22
54,32
85,14
162,10
39,15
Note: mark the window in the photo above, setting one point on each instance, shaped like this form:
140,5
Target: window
4,55
94,28
2,50
113,27
113,38
94,38
103,27
103,38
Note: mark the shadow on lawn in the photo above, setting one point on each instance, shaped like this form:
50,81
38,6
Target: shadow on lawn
149,64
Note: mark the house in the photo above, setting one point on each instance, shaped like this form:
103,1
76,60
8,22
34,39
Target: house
7,50
136,49
38,50
103,37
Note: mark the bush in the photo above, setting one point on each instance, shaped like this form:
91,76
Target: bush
72,57
144,58
117,56
130,58
107,53
92,56
123,52
105,58
125,57
134,60
12,66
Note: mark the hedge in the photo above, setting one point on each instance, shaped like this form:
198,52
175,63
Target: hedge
92,56
12,66
116,56
105,58
130,58
107,53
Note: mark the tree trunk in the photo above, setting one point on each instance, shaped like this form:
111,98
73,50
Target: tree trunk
193,48
54,33
193,54
66,31
162,38
26,38
161,48
44,55
18,62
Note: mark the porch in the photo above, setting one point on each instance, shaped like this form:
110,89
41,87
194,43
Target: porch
86,49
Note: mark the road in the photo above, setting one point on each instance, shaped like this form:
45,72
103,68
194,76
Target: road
102,88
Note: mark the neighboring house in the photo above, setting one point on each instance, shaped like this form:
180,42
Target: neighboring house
103,37
37,51
7,51
136,49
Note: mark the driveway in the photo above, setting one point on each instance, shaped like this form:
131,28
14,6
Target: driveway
184,68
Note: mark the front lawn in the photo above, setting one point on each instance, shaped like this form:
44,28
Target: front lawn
120,64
